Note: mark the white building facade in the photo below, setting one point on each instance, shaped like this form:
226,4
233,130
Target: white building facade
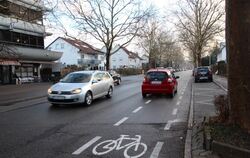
22,33
222,55
76,52
124,58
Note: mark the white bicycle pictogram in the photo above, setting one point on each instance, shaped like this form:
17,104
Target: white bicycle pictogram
109,145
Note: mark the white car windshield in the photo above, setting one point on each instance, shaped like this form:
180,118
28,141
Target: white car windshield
77,78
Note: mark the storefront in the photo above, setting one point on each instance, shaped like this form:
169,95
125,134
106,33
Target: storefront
7,71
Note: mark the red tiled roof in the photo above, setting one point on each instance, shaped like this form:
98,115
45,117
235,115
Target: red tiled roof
82,46
131,54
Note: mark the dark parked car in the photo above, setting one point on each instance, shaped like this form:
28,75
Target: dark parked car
116,77
203,73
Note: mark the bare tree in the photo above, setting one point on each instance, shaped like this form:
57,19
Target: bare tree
198,22
159,45
148,41
107,21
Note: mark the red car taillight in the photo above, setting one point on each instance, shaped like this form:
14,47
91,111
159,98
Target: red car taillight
170,80
145,80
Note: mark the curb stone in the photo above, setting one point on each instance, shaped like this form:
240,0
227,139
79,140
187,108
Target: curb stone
220,85
188,141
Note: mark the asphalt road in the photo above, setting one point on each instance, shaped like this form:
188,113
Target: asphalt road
154,126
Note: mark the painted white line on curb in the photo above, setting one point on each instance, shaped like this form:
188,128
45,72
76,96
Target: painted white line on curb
180,97
147,101
175,111
121,121
156,150
168,125
85,146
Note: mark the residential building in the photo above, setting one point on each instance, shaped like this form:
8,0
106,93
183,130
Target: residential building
76,52
123,58
22,53
222,55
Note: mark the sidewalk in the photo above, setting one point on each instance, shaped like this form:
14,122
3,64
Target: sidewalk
220,81
11,94
203,106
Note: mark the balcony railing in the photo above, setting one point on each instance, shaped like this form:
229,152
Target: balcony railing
89,62
22,26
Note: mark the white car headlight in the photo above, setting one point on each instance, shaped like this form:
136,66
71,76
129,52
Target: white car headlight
49,91
76,91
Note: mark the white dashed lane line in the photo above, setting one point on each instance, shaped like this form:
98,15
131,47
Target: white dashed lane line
156,150
168,125
175,111
178,103
85,146
121,121
136,110
180,97
147,101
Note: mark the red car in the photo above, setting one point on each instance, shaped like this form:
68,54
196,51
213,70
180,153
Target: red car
159,81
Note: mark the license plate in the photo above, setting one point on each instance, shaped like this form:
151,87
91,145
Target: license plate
203,78
58,97
156,82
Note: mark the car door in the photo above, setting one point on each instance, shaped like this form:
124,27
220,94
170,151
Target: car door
108,80
97,85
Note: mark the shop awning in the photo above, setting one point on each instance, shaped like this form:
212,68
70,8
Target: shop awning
9,62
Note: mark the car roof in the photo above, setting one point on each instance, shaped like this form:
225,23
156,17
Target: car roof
88,71
160,70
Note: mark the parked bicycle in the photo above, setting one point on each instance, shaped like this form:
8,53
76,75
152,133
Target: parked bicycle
131,147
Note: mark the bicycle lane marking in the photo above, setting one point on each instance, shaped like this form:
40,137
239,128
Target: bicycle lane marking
156,150
121,121
85,146
116,144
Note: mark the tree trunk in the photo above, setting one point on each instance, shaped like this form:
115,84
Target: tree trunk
108,52
238,41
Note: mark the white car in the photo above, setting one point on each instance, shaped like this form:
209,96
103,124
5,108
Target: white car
81,87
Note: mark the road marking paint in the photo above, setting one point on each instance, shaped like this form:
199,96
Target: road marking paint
175,111
85,146
121,121
136,110
168,125
147,101
156,150
180,97
182,93
178,103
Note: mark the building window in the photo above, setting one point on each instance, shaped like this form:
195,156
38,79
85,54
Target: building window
62,45
56,46
82,56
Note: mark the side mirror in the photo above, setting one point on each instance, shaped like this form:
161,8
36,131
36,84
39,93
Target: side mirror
94,81
99,79
176,77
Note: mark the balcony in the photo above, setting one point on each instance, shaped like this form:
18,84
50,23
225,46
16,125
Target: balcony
20,26
92,62
30,54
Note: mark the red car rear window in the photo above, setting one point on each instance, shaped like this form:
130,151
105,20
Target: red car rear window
156,76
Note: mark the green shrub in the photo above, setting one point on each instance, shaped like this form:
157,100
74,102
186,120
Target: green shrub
129,71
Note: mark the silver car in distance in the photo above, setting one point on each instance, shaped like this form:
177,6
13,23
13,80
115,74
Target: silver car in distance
81,87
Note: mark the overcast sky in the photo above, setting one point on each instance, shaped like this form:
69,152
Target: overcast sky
161,5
